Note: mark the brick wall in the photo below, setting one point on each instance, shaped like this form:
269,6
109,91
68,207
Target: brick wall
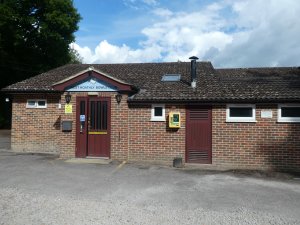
153,140
35,130
265,144
119,127
262,145
39,130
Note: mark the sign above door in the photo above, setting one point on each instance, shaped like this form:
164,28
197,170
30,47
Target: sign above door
92,84
92,80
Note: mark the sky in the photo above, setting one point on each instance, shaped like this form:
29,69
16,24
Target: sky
229,33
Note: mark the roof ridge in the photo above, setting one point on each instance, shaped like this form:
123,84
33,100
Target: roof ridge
258,68
136,63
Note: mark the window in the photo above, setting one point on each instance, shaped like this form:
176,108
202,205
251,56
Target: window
158,113
240,113
288,113
171,77
36,103
30,104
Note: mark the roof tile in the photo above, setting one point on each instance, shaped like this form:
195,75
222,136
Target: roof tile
240,84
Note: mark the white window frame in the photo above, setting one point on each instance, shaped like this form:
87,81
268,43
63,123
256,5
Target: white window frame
287,119
36,105
158,118
241,119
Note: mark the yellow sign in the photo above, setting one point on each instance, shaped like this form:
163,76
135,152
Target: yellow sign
174,119
68,108
97,132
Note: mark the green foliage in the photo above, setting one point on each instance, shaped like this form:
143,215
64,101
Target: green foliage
75,57
35,36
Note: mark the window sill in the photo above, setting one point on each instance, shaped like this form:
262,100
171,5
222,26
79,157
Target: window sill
288,121
241,121
158,120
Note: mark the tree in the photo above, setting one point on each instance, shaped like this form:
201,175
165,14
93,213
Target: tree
75,57
35,36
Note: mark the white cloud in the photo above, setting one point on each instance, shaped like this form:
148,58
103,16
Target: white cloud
150,2
270,38
230,33
140,4
108,53
162,12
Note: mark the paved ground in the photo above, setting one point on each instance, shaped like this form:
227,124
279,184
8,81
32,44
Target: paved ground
4,139
43,190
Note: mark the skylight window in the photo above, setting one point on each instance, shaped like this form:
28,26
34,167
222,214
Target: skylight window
171,77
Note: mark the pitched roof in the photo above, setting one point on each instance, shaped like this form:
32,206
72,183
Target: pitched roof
217,85
269,84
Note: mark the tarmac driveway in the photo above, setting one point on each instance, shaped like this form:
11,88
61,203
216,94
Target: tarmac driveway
5,139
43,190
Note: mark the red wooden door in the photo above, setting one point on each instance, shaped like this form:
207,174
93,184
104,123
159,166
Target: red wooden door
93,127
198,135
99,127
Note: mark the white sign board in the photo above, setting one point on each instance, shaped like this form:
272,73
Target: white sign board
82,118
266,114
92,84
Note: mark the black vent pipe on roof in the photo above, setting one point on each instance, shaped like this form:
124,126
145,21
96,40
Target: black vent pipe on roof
193,71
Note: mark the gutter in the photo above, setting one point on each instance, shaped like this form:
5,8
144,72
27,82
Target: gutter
212,101
10,91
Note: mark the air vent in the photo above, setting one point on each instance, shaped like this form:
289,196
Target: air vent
197,155
171,77
198,114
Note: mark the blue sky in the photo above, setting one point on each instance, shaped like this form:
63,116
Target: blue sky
121,21
230,33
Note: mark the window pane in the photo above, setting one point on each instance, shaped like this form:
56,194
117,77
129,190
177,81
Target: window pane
98,115
31,103
158,111
290,111
82,107
92,115
42,103
104,115
240,112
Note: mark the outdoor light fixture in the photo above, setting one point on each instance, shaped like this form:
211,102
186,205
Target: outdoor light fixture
68,97
6,99
118,98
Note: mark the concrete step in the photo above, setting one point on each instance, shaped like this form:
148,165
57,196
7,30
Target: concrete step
92,160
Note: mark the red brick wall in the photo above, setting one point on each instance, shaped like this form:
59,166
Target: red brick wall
265,144
262,145
39,130
119,127
35,130
153,140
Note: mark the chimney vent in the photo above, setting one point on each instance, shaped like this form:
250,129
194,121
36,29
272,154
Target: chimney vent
193,71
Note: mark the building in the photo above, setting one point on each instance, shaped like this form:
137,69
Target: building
229,118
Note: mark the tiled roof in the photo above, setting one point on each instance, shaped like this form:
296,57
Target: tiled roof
260,83
218,85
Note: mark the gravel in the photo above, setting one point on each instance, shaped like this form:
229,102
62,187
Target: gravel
42,190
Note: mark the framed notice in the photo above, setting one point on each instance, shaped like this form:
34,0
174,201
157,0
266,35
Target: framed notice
68,108
266,114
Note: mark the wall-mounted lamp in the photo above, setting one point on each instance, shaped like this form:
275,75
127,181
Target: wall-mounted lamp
68,97
6,99
118,98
